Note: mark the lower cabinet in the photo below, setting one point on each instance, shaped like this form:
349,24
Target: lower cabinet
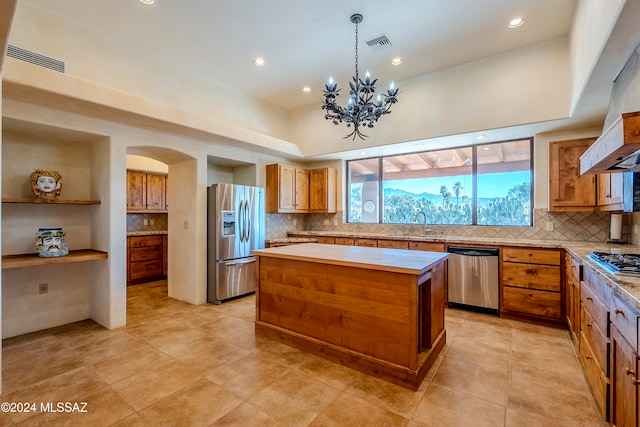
595,343
531,283
573,274
625,362
145,258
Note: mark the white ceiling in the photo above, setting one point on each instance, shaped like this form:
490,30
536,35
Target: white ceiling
304,41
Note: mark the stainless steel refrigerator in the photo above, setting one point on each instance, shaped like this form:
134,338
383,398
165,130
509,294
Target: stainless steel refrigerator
235,227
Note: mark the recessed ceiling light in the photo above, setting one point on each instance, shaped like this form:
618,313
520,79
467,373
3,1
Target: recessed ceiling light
258,62
515,23
306,89
148,1
481,136
396,61
363,152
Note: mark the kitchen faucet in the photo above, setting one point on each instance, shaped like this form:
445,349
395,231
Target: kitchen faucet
426,227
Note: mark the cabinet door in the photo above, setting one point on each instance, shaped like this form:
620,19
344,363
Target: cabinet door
568,190
322,190
155,192
624,379
136,191
302,190
287,188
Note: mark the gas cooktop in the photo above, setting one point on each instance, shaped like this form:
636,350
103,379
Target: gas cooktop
622,264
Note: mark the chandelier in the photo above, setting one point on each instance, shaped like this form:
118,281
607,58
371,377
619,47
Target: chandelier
360,110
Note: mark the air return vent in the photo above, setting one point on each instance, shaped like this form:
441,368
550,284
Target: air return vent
35,58
379,43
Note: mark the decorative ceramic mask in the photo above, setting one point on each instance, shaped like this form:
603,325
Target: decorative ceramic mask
46,184
50,242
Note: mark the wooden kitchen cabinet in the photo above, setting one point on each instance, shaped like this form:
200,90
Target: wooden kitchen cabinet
568,190
595,299
625,363
531,283
145,258
146,192
573,274
287,189
323,197
611,191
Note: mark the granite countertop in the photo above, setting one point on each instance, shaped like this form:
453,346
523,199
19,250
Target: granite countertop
626,287
146,233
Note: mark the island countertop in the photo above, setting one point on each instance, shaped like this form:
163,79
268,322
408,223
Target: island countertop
383,259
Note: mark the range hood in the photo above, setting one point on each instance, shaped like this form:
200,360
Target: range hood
617,149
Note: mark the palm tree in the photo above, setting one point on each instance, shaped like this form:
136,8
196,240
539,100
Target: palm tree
457,187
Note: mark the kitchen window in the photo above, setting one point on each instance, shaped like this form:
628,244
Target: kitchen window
483,184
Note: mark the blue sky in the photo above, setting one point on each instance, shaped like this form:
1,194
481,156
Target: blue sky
489,185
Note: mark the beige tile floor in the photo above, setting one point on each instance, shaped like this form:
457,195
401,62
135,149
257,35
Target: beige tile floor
176,364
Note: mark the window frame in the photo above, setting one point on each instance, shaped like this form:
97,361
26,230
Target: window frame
474,178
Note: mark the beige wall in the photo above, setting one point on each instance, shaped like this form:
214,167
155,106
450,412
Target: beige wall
497,92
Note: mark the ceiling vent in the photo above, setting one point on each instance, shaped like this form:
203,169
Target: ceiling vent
379,43
35,58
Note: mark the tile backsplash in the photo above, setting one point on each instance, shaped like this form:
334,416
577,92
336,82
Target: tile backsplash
155,222
586,226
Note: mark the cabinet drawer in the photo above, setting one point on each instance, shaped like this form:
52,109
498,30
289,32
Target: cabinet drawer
348,241
597,285
394,244
532,256
138,241
531,301
144,269
372,243
596,308
598,343
145,253
427,246
531,276
625,319
326,240
599,383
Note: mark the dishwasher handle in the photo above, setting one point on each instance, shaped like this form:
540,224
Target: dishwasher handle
472,251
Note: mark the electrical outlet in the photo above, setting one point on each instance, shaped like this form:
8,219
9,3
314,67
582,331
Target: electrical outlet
145,222
326,222
43,288
152,221
548,226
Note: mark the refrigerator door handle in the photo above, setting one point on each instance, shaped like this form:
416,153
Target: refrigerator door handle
241,220
248,220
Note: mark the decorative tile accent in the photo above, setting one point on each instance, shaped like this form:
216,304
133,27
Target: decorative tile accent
583,226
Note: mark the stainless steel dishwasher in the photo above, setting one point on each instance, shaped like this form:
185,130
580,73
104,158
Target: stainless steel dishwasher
473,280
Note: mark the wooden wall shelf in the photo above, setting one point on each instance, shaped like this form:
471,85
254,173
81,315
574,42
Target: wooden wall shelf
31,260
49,202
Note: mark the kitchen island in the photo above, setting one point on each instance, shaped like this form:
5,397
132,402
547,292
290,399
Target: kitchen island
376,310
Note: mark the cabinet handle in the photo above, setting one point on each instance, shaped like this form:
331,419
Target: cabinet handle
589,325
634,380
589,299
588,357
618,311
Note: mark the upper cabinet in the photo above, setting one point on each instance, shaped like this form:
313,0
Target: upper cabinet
323,196
287,189
610,191
568,190
146,192
297,190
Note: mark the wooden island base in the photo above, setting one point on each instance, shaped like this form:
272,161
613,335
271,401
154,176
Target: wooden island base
390,372
376,310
